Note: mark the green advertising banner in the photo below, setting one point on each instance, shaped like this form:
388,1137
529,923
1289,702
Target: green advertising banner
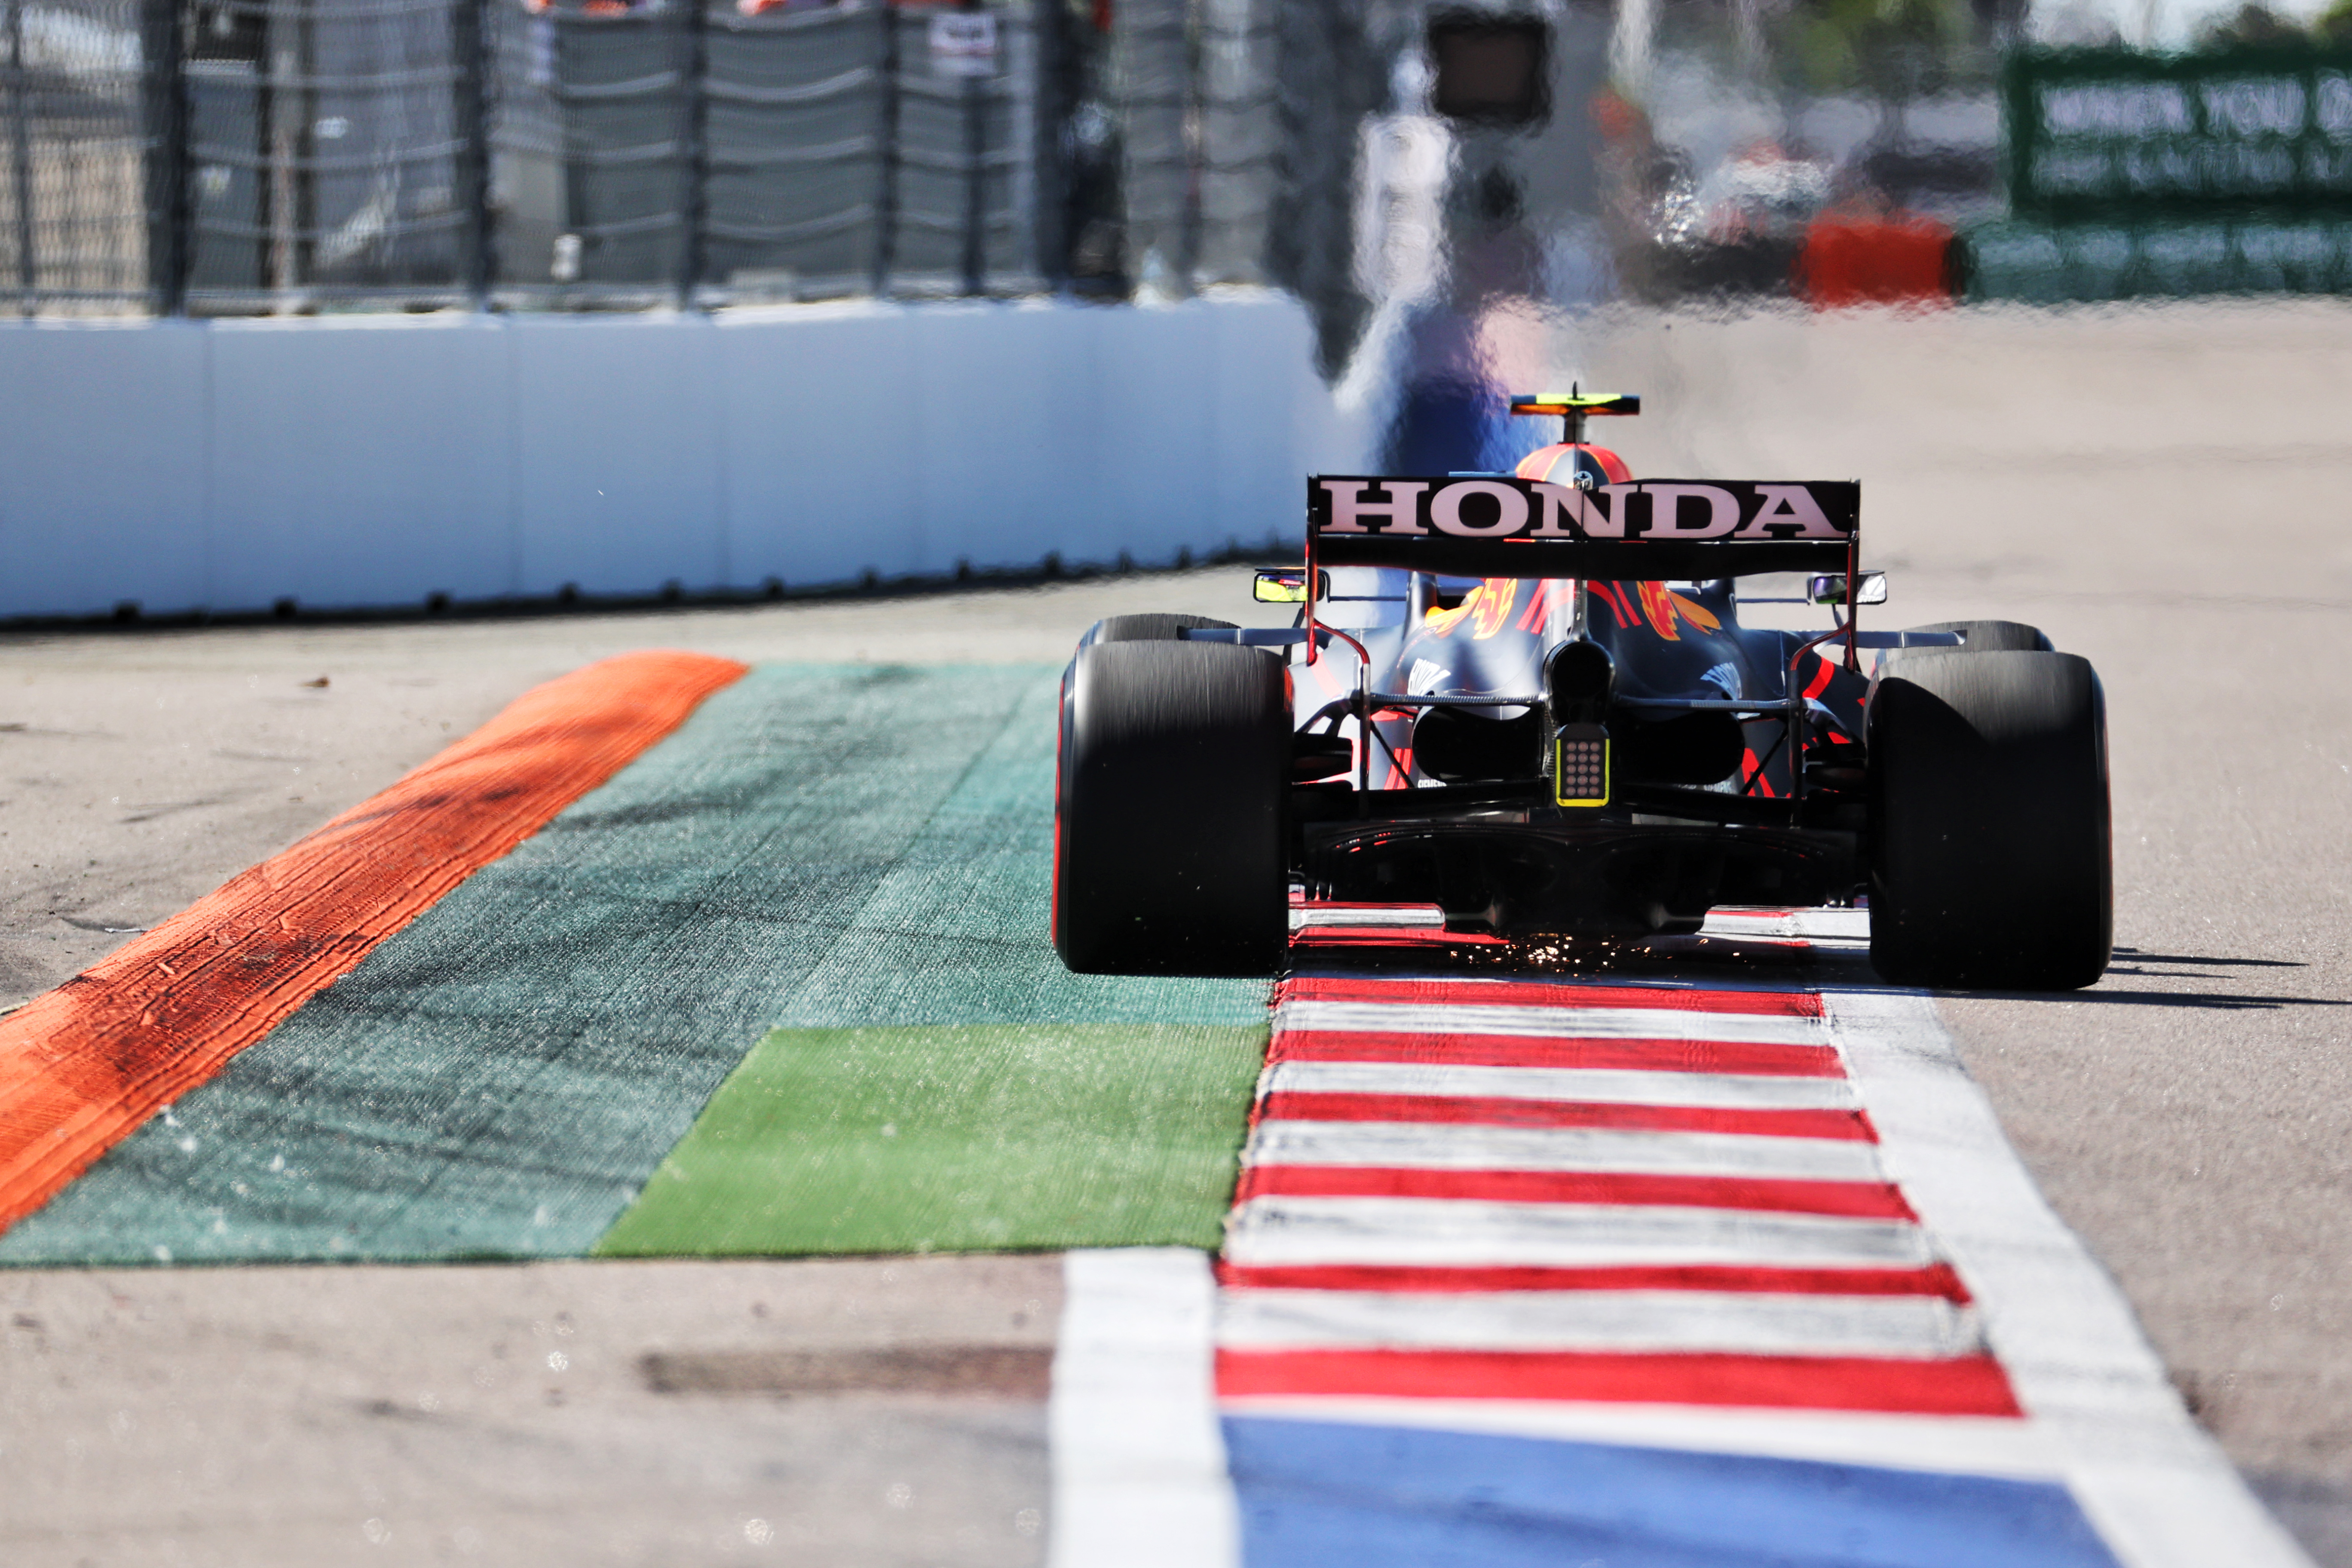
2083,262
2110,135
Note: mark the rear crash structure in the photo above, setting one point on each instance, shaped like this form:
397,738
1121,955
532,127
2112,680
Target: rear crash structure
1526,697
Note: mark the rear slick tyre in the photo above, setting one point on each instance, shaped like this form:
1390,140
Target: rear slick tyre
1156,625
1169,839
1990,855
1995,636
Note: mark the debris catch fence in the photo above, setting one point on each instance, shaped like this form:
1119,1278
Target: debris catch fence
256,156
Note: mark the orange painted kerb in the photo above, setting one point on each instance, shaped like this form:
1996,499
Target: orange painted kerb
84,1065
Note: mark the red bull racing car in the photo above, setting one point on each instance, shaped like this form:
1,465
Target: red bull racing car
1526,697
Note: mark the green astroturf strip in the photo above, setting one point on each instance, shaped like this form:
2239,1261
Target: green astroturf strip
1095,1112
817,845
881,1140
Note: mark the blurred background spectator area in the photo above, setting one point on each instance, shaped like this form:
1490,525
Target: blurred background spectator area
1380,158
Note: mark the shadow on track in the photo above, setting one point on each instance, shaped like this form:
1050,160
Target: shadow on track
2219,1001
2138,957
1705,960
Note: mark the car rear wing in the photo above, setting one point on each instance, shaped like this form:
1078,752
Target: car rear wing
1501,526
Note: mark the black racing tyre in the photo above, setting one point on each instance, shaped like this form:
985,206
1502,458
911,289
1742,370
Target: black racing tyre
1153,627
1169,839
1994,636
1990,855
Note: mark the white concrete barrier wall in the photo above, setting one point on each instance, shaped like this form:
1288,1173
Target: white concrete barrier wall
374,461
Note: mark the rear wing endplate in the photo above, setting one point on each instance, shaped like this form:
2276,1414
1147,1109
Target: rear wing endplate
1500,526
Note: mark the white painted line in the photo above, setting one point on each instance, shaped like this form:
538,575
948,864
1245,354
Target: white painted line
1138,1461
1571,988
1454,1231
1728,1321
1966,1444
1598,1085
1459,1146
1565,1021
2155,1485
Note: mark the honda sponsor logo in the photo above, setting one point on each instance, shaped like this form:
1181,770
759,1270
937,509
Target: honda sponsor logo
1681,511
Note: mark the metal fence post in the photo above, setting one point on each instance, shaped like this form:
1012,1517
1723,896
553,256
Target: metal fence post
975,183
164,84
886,199
1189,217
696,214
469,38
1060,89
20,151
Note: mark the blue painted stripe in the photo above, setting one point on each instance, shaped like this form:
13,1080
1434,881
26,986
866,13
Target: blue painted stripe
1331,1495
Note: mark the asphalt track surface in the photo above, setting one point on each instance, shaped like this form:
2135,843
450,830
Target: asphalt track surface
2159,491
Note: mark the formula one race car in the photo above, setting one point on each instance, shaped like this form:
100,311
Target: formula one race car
1528,698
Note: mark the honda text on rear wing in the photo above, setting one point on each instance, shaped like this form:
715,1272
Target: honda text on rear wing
1655,530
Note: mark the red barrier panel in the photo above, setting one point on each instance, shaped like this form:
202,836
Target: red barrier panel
1850,261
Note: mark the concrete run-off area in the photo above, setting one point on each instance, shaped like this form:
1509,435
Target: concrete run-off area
876,1411
2158,489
